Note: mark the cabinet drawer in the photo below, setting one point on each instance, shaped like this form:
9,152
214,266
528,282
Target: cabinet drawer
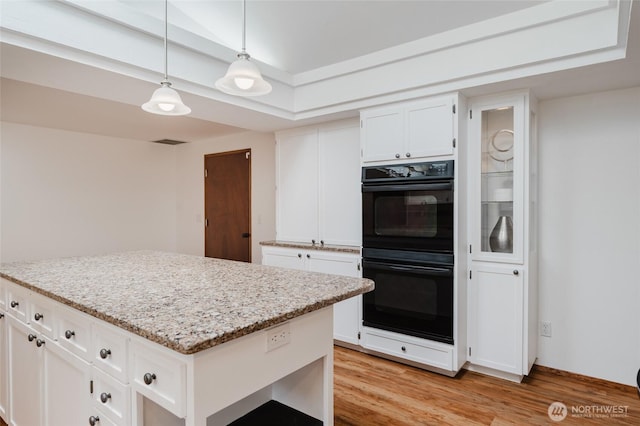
159,376
40,314
412,349
109,351
17,299
111,397
101,419
73,332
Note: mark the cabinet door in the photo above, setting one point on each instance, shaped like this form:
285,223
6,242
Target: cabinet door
497,150
346,314
283,258
66,387
25,378
430,127
340,198
382,135
496,307
4,367
297,187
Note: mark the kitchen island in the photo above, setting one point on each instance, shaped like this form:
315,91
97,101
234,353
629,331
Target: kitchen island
173,339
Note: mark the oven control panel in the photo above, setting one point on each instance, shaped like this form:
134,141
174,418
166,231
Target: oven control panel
427,170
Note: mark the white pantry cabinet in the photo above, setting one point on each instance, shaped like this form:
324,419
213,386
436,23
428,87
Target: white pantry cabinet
502,280
318,184
410,130
346,314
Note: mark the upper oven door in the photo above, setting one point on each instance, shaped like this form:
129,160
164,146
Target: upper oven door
408,216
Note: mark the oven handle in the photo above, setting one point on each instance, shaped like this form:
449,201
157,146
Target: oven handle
441,272
409,187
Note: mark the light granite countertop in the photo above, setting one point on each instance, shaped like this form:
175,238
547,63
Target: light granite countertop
186,303
309,246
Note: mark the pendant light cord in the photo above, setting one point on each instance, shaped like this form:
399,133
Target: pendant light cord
244,25
166,66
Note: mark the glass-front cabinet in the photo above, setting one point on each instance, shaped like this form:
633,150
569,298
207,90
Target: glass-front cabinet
502,276
497,179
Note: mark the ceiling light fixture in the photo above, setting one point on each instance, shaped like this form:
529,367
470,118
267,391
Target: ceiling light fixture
165,100
243,77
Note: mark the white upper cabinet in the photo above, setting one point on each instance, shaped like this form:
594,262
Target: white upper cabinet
297,183
498,149
410,130
318,184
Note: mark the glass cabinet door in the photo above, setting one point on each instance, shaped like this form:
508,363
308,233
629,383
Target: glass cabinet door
497,133
497,180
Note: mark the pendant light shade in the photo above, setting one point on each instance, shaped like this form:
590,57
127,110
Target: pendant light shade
165,100
243,77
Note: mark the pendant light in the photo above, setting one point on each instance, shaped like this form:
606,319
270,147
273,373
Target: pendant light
243,77
165,100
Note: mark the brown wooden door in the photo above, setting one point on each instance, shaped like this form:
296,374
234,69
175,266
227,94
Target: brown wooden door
227,205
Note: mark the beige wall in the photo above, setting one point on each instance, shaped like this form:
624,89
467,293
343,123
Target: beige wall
589,251
190,189
65,193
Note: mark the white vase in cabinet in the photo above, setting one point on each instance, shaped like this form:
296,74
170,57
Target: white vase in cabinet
407,131
318,184
502,284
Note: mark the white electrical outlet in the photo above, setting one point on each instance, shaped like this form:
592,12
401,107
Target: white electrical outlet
278,336
545,328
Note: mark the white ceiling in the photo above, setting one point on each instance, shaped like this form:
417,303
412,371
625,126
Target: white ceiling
290,36
301,35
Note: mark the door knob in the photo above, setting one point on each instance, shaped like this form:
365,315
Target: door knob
246,235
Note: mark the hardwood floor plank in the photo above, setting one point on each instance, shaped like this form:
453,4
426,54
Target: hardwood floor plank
371,391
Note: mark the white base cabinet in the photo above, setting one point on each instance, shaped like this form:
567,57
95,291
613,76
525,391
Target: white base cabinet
435,356
346,314
122,374
496,309
4,356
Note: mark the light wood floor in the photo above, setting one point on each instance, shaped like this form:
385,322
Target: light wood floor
370,391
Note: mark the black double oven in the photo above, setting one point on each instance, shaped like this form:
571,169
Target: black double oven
407,248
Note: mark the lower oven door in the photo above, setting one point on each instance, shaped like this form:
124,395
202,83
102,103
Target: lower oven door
410,299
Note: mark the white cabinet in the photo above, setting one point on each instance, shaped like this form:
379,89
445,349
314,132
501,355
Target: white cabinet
496,317
66,387
502,284
4,363
25,378
47,384
347,313
407,131
318,184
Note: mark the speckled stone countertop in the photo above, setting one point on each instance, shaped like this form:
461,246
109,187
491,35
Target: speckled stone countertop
186,303
309,246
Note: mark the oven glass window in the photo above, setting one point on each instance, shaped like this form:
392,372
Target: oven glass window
410,301
412,214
